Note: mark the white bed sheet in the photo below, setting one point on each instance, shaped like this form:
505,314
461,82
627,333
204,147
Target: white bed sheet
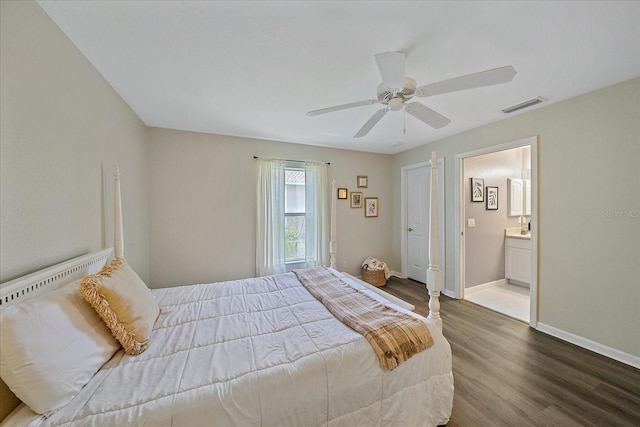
258,352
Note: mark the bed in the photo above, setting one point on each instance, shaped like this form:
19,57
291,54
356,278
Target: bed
261,351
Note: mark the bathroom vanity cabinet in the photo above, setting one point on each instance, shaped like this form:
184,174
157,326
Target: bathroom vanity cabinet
517,262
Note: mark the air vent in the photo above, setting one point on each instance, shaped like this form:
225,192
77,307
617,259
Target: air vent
522,105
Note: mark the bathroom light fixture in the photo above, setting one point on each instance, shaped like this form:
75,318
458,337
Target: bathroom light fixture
522,105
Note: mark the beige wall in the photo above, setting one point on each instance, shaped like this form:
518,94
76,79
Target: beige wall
589,209
202,200
62,131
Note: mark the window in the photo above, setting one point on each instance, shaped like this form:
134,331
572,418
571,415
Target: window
294,215
292,227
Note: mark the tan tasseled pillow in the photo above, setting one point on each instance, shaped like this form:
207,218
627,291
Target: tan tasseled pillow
124,302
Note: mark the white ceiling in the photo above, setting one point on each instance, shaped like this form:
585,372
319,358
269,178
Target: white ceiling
254,69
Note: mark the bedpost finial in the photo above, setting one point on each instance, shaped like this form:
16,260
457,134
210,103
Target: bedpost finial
116,173
434,158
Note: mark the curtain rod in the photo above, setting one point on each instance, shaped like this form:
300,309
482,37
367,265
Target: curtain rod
289,160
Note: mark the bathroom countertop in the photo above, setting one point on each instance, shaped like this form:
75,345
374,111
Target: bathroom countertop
514,233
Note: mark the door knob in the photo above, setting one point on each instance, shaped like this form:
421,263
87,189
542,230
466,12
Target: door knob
409,229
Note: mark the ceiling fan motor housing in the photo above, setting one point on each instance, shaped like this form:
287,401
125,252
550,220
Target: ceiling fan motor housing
394,97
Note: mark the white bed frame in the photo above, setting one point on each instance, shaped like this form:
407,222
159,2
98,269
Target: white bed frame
58,275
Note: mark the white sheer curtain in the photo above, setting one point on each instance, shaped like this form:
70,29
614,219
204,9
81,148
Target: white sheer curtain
317,210
270,253
270,233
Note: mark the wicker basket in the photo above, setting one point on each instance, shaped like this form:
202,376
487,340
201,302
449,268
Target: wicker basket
374,277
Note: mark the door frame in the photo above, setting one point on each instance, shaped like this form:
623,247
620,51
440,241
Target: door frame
404,249
459,224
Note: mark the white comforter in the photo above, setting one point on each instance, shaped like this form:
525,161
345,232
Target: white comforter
258,352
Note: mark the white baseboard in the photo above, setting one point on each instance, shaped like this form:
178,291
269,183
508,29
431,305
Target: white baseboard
620,356
450,294
446,292
484,286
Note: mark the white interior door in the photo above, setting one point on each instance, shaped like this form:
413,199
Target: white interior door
418,223
418,184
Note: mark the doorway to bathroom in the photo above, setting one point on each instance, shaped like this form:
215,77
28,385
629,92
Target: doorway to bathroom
497,228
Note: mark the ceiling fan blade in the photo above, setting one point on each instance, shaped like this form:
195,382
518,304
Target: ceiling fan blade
427,115
391,66
470,81
341,107
371,123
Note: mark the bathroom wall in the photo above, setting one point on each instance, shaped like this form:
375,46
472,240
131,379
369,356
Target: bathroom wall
484,243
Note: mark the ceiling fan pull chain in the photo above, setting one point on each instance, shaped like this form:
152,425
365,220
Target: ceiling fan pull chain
404,122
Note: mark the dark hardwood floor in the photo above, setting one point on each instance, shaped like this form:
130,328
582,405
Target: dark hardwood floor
508,374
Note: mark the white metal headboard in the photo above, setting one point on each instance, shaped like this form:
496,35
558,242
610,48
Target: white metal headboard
53,277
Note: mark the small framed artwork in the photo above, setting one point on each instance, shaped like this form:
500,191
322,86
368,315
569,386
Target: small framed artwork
492,198
370,207
356,199
342,193
363,181
477,190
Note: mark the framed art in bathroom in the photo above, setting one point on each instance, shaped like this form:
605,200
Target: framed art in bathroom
477,190
492,198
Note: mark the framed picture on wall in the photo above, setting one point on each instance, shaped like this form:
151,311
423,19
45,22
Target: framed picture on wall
370,207
342,193
492,198
363,181
356,199
477,190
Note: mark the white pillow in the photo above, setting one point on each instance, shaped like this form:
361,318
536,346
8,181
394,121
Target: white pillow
51,346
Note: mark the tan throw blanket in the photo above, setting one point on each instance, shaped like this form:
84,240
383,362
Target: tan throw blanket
393,335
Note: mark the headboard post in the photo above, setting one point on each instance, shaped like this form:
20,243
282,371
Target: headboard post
118,234
434,275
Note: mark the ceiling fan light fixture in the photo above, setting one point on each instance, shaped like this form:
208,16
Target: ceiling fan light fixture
396,104
523,105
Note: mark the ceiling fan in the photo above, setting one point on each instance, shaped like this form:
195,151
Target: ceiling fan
396,89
